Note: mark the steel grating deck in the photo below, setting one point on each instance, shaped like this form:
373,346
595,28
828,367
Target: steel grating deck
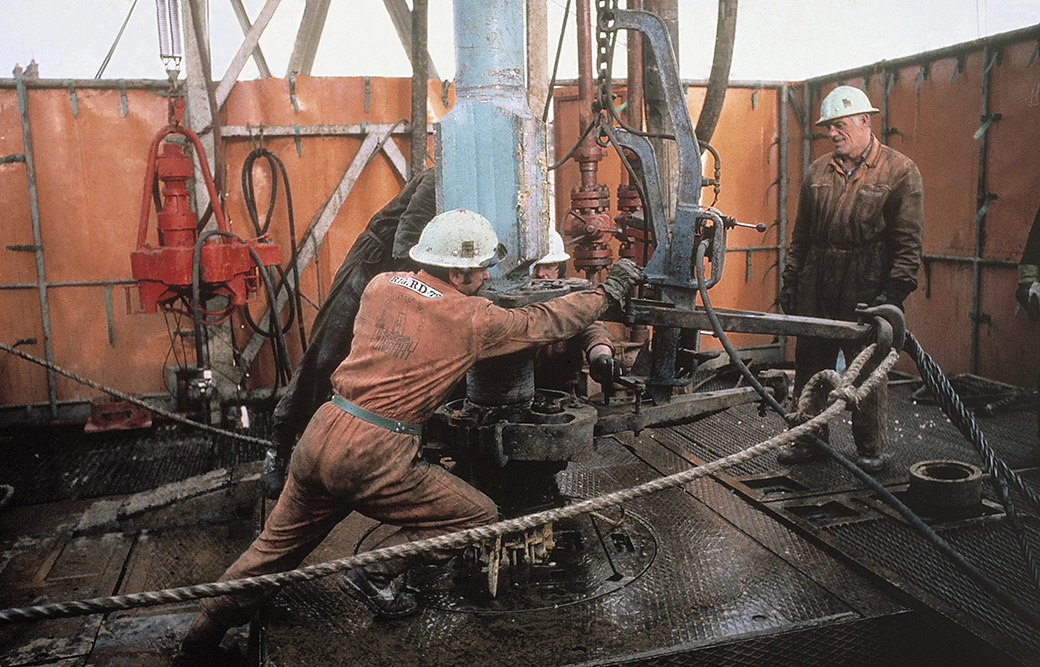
726,571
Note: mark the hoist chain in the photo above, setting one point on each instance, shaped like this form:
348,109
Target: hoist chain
604,54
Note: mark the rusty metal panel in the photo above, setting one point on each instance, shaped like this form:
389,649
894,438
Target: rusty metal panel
88,181
90,156
747,139
932,113
1007,347
1011,165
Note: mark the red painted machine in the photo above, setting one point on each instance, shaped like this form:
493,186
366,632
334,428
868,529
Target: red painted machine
227,265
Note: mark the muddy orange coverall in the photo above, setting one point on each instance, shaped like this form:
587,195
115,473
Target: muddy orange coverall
414,338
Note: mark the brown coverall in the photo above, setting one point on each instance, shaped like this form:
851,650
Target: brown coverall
856,237
414,338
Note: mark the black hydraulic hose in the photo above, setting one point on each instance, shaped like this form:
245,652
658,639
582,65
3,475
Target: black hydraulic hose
991,586
202,354
556,62
277,167
577,144
1000,474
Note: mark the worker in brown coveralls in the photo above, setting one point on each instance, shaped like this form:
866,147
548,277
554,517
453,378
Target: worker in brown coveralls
415,336
558,365
382,246
856,239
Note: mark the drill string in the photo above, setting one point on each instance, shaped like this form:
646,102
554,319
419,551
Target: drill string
133,399
944,547
841,396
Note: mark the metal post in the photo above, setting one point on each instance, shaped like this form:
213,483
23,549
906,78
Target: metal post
420,76
807,131
982,199
884,106
41,275
537,53
781,190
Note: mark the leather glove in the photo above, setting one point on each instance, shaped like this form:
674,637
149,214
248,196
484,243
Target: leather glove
623,276
1028,295
893,293
604,368
789,297
883,299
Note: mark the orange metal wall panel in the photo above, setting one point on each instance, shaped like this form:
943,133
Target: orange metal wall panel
747,139
934,119
89,174
88,182
21,382
16,230
1007,344
1013,155
316,170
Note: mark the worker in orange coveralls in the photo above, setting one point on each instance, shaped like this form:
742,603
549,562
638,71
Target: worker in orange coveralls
415,336
382,246
857,239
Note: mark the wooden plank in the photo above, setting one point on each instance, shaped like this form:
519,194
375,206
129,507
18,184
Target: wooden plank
258,55
312,24
252,38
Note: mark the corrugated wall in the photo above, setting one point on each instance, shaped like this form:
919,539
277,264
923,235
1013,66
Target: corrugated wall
969,117
90,145
89,150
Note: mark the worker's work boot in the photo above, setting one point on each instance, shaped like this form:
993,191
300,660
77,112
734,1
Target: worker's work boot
798,452
870,462
380,592
276,461
214,656
201,646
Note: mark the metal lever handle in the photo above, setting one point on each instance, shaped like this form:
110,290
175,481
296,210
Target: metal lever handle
731,223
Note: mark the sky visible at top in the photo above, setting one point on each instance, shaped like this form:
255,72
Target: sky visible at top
777,40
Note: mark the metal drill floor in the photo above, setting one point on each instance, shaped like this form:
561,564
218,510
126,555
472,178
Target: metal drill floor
761,565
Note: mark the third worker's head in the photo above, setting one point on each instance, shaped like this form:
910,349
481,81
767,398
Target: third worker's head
845,115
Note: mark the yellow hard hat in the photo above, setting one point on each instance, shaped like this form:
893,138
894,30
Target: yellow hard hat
556,252
844,101
458,239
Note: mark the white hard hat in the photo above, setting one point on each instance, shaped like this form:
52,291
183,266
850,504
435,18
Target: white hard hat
556,252
844,101
458,239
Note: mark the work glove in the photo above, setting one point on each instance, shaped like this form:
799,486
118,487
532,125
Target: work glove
604,369
1028,295
623,276
893,294
884,299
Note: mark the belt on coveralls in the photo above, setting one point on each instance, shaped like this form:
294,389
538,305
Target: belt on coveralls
372,418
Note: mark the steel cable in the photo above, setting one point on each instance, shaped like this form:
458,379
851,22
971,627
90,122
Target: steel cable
1001,475
133,399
